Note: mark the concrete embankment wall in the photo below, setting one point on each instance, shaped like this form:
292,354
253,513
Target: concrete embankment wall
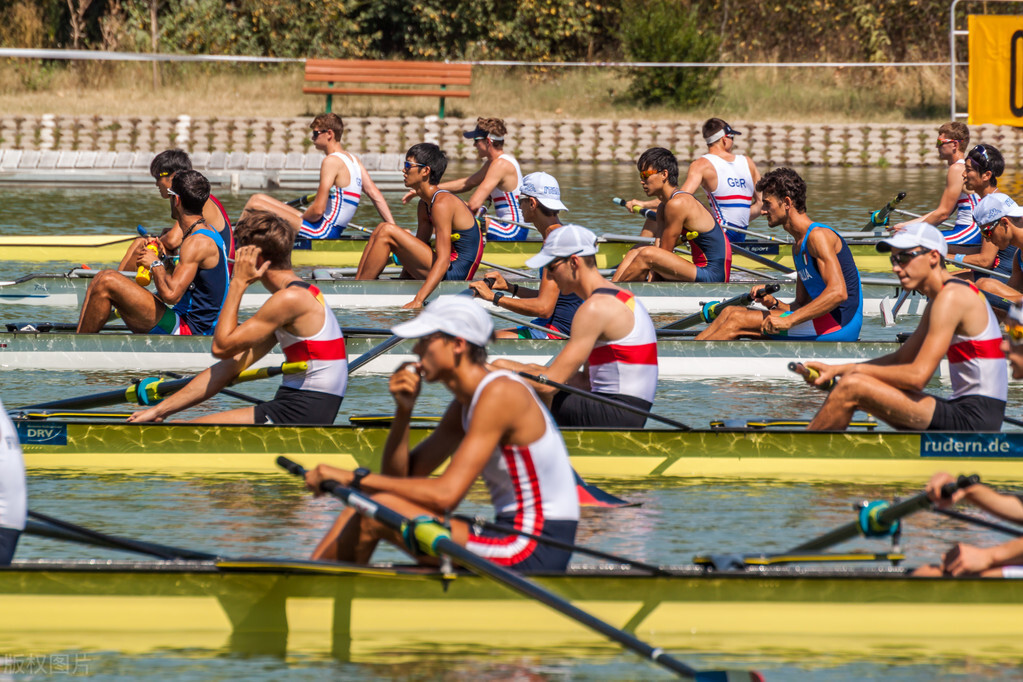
579,141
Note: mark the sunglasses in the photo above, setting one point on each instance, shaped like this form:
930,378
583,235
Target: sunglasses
988,229
943,140
984,161
172,193
902,259
409,166
317,133
645,174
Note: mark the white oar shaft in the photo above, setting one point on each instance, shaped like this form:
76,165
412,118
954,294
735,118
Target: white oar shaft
530,325
770,238
917,215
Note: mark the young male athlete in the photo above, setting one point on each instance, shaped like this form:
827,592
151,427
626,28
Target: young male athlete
296,316
187,300
1001,223
343,179
499,179
442,216
829,298
680,217
982,168
13,501
495,427
953,140
163,167
612,338
957,323
540,200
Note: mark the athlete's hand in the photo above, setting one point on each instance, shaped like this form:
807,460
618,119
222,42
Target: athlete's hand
632,204
760,296
147,415
934,486
898,227
322,472
407,197
964,558
775,324
145,257
499,282
824,371
405,385
482,290
245,268
414,304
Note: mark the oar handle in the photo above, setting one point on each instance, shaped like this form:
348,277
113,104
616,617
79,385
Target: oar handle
640,210
299,201
811,374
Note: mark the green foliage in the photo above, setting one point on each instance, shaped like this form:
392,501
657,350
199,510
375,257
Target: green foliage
663,31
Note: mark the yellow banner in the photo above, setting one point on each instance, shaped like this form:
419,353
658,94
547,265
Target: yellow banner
996,70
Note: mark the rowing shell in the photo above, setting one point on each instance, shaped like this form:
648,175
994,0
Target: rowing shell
683,298
256,607
105,446
677,358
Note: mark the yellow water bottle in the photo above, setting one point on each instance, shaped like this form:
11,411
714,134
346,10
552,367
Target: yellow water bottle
143,276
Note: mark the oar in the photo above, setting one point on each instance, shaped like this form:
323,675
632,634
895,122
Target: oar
812,374
917,215
542,379
433,539
652,214
226,391
977,521
301,201
530,325
711,310
879,218
1010,420
150,390
878,519
48,526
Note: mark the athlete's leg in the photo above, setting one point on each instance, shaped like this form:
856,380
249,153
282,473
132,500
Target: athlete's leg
139,309
998,288
733,322
625,264
664,263
264,202
898,408
415,256
132,254
241,415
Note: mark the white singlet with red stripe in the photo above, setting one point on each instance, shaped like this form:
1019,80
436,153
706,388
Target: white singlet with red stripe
344,201
13,500
976,364
506,204
627,366
732,199
533,482
324,351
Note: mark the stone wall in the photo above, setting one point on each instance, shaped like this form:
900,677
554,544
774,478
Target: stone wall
579,141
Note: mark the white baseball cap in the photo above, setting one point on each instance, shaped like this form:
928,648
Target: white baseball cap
454,315
567,240
913,235
544,188
994,207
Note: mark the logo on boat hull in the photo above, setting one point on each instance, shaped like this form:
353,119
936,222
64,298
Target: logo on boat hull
971,445
42,434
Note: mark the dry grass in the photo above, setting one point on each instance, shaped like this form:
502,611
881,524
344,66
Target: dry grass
804,95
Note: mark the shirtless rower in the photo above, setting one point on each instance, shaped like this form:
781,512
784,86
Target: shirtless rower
163,167
680,217
1001,223
295,315
442,216
540,200
953,140
612,338
13,501
982,168
957,323
343,179
829,297
187,300
495,427
499,179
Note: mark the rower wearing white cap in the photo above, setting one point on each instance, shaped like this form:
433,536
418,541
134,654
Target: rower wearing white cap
1001,223
958,324
540,200
496,427
612,338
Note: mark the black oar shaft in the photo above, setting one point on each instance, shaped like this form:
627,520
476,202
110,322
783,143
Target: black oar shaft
879,218
701,317
164,388
48,526
977,521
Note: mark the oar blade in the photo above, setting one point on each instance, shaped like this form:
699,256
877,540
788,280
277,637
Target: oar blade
592,496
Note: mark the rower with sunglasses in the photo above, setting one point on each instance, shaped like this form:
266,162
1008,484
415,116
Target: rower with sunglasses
983,166
343,179
953,139
1001,223
958,323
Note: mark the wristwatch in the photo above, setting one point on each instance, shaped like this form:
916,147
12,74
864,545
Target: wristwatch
358,475
158,263
498,296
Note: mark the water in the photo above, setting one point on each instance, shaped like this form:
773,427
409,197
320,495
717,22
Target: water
274,517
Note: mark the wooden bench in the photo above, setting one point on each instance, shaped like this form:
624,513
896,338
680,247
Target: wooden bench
333,71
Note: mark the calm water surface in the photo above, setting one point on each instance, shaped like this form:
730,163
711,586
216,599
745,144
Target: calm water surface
273,517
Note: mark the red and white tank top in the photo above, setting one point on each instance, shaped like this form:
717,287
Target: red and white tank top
506,205
976,364
324,351
730,202
627,366
533,482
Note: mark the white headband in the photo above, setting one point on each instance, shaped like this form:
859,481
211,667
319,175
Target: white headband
715,137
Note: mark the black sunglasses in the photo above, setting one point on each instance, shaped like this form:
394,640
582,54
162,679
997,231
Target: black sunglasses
317,133
902,259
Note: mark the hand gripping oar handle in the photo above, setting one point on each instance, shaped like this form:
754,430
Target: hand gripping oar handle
879,218
302,200
878,519
811,374
711,310
640,210
435,539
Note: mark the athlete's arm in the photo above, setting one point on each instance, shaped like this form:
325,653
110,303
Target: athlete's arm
949,198
1016,279
171,287
375,195
330,170
536,303
822,247
496,174
443,220
984,258
671,220
698,176
758,200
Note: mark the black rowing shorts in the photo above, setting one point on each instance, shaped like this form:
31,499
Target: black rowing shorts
969,413
570,409
294,406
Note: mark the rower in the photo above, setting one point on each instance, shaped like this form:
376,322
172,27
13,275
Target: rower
495,428
540,200
442,216
612,338
187,300
953,139
295,315
13,501
829,297
679,218
958,323
729,179
982,168
162,168
343,179
1001,222
498,180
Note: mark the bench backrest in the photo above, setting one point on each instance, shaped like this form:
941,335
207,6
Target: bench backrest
372,71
